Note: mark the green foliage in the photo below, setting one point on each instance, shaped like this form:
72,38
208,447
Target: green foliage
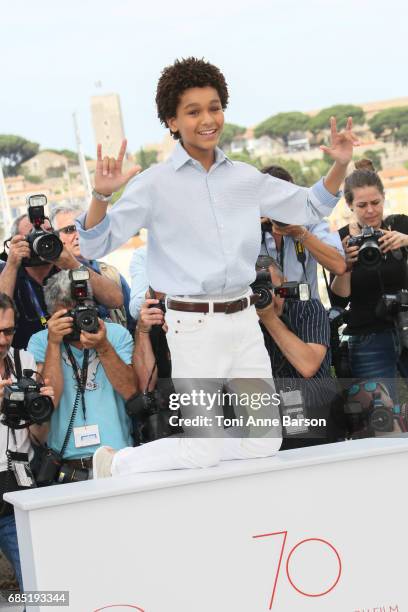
245,157
70,155
230,131
401,135
280,125
146,158
55,171
374,156
15,150
321,121
305,175
31,178
389,121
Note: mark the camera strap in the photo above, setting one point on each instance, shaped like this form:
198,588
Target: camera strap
81,379
301,255
37,306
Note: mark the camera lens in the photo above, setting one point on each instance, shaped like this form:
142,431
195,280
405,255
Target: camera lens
381,419
369,254
48,246
40,407
88,321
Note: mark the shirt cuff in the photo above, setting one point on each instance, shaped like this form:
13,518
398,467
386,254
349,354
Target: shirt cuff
324,196
90,240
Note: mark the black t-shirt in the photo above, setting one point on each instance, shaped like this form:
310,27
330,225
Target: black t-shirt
368,285
29,321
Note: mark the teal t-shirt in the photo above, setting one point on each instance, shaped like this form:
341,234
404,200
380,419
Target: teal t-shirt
104,406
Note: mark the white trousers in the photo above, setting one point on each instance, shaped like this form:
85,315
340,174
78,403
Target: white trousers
217,347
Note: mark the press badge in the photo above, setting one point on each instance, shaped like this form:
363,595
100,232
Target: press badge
292,412
22,471
88,435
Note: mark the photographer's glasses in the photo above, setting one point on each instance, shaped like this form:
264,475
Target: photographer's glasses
8,331
68,229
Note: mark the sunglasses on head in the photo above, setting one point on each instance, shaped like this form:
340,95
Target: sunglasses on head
69,229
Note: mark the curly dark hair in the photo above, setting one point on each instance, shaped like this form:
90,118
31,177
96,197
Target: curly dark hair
182,75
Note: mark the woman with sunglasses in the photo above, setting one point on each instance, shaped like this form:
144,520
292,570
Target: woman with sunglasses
374,343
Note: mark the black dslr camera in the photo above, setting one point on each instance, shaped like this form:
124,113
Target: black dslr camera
339,347
44,244
263,286
151,412
85,316
369,254
23,404
395,305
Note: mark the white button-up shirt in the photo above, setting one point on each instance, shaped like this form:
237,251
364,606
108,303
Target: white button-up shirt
204,227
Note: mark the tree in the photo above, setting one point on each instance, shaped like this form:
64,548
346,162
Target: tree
230,131
146,158
389,121
245,157
401,135
321,121
15,150
374,156
280,125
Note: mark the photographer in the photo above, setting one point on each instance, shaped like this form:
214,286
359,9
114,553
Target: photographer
374,342
25,284
93,366
13,440
297,337
108,285
299,248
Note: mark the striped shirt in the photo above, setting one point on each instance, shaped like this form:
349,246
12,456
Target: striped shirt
308,320
204,229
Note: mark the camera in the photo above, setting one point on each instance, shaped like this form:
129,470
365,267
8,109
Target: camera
85,316
152,414
339,349
396,306
369,411
369,254
52,470
44,244
23,404
263,285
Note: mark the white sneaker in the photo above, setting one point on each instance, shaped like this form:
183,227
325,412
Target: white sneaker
102,462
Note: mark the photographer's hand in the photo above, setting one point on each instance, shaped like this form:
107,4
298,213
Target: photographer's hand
97,341
392,240
67,260
4,383
59,326
149,316
19,248
47,389
351,253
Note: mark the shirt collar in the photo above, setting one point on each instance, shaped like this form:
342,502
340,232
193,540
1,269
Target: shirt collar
180,157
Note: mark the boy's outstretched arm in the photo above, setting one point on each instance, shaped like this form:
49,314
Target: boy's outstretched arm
108,179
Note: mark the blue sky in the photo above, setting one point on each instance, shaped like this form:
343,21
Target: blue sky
277,56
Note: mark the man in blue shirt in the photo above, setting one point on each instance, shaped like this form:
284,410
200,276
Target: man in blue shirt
101,419
202,211
300,248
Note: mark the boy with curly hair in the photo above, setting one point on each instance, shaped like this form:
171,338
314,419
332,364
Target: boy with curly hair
202,211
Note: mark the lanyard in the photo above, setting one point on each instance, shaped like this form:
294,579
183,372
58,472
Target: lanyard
81,380
301,255
37,306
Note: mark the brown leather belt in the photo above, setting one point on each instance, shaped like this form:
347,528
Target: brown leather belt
224,307
81,464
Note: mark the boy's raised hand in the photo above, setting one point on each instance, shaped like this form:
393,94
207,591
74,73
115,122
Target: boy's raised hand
341,143
108,175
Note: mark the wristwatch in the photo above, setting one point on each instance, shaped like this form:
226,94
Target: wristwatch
101,197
